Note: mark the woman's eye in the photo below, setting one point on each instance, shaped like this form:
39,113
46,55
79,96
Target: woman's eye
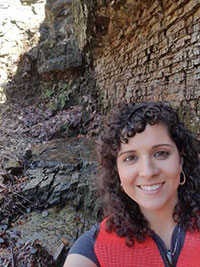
130,159
161,154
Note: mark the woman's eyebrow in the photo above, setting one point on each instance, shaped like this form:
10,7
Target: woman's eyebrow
127,151
158,145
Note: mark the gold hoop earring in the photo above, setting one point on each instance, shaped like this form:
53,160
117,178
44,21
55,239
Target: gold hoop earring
184,178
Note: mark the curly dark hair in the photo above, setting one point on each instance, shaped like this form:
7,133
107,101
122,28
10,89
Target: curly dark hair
123,213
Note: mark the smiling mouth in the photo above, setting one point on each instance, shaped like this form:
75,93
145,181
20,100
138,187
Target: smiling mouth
150,188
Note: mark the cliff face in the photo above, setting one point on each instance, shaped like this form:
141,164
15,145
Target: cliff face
41,49
133,49
144,50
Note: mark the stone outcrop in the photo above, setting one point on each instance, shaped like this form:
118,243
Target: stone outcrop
136,50
144,50
61,177
58,48
43,55
63,171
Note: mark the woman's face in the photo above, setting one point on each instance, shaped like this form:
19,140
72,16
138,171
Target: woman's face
149,167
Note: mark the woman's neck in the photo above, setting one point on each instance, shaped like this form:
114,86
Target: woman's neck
162,223
164,227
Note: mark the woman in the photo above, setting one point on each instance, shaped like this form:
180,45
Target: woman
150,169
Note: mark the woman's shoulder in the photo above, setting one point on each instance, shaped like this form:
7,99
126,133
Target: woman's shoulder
84,245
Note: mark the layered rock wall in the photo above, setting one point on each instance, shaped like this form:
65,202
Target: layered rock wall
139,50
146,50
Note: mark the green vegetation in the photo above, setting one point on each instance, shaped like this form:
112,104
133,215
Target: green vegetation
58,99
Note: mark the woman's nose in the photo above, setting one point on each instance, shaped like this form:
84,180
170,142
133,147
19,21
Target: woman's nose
147,168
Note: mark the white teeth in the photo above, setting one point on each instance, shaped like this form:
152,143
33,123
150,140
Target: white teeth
150,187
